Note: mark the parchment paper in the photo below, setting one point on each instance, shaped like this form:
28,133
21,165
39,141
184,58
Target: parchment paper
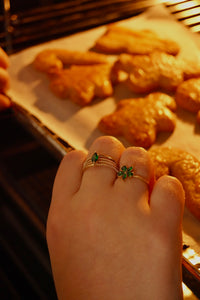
78,126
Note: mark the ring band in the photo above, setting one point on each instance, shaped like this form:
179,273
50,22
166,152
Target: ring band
100,160
107,161
126,172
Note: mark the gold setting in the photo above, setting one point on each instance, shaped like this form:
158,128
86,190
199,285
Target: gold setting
100,160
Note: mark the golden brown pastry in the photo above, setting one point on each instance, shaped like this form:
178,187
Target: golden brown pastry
50,60
147,73
118,40
82,84
140,119
188,96
185,167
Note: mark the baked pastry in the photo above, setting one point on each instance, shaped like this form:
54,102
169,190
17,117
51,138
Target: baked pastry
50,60
80,76
82,84
188,96
118,40
147,73
140,119
185,167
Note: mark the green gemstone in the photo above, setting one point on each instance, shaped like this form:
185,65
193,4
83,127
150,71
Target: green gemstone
125,172
124,168
95,157
124,176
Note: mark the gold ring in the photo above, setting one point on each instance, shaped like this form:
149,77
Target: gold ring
100,160
126,172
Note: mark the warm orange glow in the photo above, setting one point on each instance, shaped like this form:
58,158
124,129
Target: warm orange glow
6,5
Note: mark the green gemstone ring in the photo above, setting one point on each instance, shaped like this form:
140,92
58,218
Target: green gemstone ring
126,172
100,160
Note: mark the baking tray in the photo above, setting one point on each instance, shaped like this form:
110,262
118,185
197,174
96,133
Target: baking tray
56,145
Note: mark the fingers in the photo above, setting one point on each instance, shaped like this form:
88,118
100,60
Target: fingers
4,102
4,60
101,175
4,80
167,201
142,178
69,175
78,173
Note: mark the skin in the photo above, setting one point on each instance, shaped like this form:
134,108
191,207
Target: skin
4,80
111,238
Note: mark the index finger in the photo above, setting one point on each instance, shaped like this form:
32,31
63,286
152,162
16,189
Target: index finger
68,177
4,60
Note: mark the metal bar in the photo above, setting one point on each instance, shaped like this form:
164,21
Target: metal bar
70,24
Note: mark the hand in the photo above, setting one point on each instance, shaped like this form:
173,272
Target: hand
4,80
114,239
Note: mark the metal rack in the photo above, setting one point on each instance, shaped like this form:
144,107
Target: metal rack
23,29
187,12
